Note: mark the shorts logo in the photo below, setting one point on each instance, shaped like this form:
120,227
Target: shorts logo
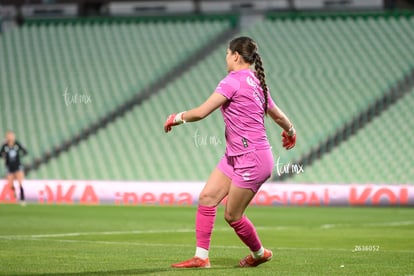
246,176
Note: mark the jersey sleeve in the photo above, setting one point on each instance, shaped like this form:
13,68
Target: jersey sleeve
228,87
270,102
24,151
2,151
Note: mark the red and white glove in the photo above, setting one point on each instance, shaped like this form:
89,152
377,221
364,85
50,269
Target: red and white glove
289,138
173,120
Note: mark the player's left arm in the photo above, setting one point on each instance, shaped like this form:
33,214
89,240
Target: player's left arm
280,118
22,149
212,103
289,132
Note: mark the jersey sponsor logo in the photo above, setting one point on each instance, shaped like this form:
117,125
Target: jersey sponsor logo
12,153
257,95
250,81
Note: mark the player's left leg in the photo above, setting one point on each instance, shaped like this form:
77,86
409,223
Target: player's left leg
251,171
19,175
237,202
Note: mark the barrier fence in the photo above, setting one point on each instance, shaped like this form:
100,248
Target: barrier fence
186,193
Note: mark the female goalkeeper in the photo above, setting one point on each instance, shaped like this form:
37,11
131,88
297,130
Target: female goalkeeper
248,161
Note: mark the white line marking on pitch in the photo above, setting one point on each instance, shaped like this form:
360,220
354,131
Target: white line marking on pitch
190,230
136,232
374,224
175,245
104,233
213,246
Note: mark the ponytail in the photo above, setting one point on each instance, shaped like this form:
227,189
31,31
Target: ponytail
260,74
247,48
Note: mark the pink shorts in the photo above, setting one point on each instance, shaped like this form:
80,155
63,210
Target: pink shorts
249,170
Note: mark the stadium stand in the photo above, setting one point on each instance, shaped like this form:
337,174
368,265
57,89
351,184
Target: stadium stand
381,153
135,147
323,71
105,61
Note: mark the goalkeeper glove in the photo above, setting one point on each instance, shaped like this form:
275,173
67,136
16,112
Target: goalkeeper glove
173,120
289,138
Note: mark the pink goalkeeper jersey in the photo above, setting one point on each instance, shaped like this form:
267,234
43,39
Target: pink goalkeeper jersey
243,113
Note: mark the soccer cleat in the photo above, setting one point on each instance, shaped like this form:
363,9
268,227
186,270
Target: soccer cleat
249,261
193,263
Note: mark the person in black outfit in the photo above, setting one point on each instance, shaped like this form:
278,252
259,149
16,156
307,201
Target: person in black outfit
12,151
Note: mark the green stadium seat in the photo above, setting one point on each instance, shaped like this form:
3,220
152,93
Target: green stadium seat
109,62
377,154
322,73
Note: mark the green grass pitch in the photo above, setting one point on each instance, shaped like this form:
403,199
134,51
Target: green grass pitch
126,240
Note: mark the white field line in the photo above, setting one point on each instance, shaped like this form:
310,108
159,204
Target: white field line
191,230
374,224
166,245
130,232
104,233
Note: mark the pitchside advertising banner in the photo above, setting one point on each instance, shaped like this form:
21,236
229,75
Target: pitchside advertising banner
186,193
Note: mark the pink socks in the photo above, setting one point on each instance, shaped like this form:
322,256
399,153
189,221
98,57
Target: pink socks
247,233
204,225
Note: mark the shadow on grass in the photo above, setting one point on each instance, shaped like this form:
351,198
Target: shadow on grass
219,264
137,271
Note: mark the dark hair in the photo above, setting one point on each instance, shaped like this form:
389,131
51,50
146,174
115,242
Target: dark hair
247,49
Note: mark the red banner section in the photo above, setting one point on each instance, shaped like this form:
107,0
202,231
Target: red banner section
186,193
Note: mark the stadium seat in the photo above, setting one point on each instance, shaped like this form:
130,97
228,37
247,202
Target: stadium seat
322,72
109,62
380,153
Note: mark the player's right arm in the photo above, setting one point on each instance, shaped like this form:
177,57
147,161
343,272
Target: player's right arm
212,103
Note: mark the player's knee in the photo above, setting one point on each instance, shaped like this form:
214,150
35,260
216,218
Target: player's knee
207,199
231,217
